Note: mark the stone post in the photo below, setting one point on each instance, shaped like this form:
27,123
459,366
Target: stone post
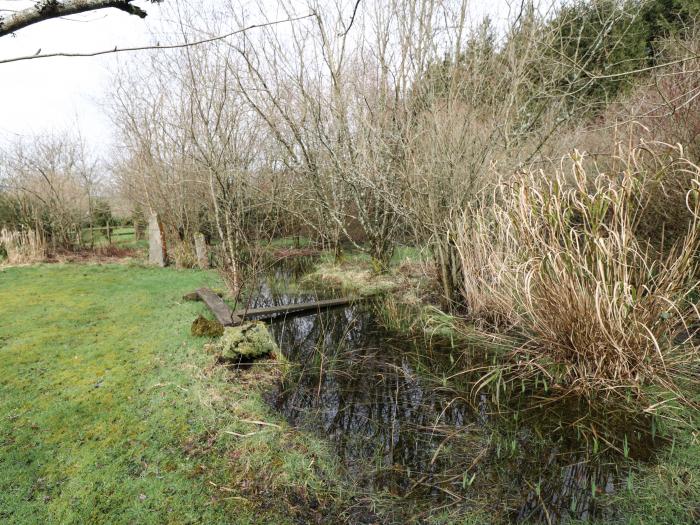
157,253
200,246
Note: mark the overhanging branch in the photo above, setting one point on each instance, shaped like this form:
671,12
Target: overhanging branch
157,46
48,9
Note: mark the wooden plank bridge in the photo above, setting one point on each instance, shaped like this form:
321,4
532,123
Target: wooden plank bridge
227,317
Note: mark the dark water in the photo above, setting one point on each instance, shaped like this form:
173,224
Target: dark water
382,400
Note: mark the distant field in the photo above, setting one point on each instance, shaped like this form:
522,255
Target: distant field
121,237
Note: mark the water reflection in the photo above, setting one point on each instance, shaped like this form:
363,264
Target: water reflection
366,397
378,397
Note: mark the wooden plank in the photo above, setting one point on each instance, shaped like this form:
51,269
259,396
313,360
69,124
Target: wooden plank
219,308
272,311
226,317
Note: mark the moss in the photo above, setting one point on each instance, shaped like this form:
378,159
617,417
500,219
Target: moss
352,278
246,342
203,327
193,296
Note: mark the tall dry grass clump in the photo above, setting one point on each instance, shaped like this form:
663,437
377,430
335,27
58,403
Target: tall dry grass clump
183,254
486,251
22,247
597,309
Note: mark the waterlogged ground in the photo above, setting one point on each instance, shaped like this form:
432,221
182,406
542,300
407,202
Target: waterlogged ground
401,415
376,397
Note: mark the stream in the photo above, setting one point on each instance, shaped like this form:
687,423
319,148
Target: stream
381,399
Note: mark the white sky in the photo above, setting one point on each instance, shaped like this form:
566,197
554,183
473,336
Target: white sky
60,93
57,94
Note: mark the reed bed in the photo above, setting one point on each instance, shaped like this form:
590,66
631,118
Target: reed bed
593,308
22,247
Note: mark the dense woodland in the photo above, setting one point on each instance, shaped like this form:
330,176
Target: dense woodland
546,165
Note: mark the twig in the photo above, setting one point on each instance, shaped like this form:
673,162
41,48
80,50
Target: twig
157,46
263,423
352,19
238,434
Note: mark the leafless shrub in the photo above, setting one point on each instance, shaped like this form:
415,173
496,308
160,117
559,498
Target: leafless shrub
53,182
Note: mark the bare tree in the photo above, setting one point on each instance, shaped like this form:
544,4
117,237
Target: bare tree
53,181
367,123
197,155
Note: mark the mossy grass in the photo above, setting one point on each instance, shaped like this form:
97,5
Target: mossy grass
111,412
354,273
348,279
203,327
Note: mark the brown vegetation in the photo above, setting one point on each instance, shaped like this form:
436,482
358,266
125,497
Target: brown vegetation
593,306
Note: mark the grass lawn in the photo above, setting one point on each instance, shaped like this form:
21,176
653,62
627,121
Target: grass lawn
123,237
111,412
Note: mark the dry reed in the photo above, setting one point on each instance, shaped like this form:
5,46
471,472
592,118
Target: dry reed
22,247
596,309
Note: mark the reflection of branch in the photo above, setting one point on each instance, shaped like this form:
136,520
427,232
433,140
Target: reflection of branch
157,46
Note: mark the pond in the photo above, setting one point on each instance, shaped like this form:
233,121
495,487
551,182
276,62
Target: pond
400,427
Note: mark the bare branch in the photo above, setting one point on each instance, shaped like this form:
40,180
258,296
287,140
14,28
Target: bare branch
352,18
157,46
48,9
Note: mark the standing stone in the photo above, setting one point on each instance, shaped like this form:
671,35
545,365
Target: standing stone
157,253
200,246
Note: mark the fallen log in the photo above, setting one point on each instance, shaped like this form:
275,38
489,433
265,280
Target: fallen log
226,317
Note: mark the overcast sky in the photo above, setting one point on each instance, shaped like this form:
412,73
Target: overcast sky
56,94
60,93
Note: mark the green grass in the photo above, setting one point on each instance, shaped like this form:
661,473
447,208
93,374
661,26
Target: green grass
408,253
122,237
111,412
666,491
290,242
